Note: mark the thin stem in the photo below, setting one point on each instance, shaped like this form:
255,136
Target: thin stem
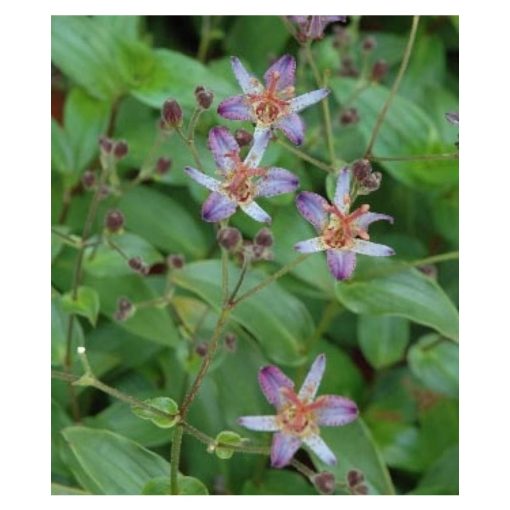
67,238
270,279
434,259
246,264
205,38
175,454
190,143
423,157
394,88
306,157
193,122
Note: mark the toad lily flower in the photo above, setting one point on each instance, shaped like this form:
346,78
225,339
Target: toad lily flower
272,106
342,234
299,415
242,181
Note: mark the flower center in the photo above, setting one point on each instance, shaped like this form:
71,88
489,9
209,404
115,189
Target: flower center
239,183
270,104
343,229
297,417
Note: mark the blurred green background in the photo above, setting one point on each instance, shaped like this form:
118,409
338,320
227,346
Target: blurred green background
389,334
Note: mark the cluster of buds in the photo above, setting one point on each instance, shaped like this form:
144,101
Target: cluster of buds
348,68
355,481
324,482
137,264
203,97
125,309
114,221
171,115
175,261
365,178
349,116
231,239
116,148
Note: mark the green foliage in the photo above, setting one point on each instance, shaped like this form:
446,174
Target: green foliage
86,303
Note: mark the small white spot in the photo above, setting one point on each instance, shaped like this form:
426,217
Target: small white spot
81,350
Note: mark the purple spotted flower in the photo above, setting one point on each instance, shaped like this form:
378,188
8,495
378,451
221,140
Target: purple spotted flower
241,181
342,234
312,27
272,106
299,416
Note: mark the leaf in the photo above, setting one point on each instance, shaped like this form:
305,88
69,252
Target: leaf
279,483
396,289
355,448
85,304
118,465
281,329
187,486
383,339
435,362
406,131
62,490
59,325
57,243
164,404
163,222
175,75
61,152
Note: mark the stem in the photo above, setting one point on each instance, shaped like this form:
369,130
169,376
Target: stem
394,88
175,454
190,142
246,263
434,259
205,39
68,239
270,279
306,157
193,122
451,155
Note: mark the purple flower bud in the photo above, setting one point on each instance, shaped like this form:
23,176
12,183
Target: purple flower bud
324,482
88,179
354,477
125,309
163,165
114,220
204,97
229,238
348,68
138,265
349,116
243,137
361,169
104,192
105,144
264,238
201,349
379,69
120,149
175,261
230,342
361,490
371,183
369,44
171,114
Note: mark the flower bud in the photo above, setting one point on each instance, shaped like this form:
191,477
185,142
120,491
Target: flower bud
361,490
354,477
369,44
371,183
264,238
348,68
163,165
120,149
229,238
349,116
175,261
361,169
324,482
201,349
204,97
171,114
125,309
114,220
230,342
243,137
105,144
88,179
379,69
138,265
104,191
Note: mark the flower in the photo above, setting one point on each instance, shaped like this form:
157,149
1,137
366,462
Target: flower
341,234
273,106
299,415
242,181
312,27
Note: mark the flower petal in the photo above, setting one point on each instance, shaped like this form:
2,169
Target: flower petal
259,423
221,143
341,263
366,219
311,245
313,379
313,208
217,207
235,108
247,82
256,212
343,189
320,448
335,410
305,100
204,180
285,69
276,182
283,449
373,249
272,380
260,140
293,127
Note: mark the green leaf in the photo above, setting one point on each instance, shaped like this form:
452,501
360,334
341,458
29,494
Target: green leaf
355,448
435,362
279,483
62,490
406,131
391,288
187,486
57,242
164,404
175,75
117,465
280,329
383,339
165,223
61,152
59,325
85,304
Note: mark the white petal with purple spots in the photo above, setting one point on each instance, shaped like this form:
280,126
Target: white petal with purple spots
203,179
373,249
260,423
283,449
341,263
276,182
366,219
217,207
261,138
343,188
313,379
285,67
248,83
223,145
311,245
313,208
235,108
335,411
256,212
272,381
305,100
321,449
293,127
